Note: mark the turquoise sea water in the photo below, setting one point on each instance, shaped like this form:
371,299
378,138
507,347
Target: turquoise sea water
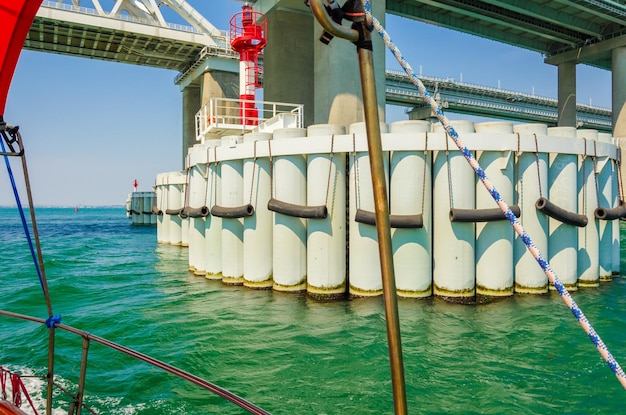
286,353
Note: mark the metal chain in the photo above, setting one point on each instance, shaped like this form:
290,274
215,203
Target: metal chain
330,166
269,151
424,173
217,163
208,169
584,184
517,193
537,164
356,173
450,196
620,182
254,165
595,172
186,191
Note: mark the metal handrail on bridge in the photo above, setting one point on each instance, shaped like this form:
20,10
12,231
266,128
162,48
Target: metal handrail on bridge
94,12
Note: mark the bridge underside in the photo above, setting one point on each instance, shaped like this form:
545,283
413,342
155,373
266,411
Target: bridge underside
550,27
74,34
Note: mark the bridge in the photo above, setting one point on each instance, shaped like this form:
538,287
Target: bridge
137,33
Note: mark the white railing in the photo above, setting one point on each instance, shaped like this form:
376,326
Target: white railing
224,115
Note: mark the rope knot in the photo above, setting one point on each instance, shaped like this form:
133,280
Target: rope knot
52,321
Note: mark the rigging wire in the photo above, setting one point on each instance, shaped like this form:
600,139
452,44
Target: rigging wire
37,259
22,217
517,226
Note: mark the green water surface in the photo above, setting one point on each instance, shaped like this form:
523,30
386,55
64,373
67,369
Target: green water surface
287,353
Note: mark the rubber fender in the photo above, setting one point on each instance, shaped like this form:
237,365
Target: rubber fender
232,212
481,215
201,212
173,212
560,214
611,214
395,221
298,211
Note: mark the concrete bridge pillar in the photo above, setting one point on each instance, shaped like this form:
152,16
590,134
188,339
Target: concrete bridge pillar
567,94
288,59
619,100
191,105
298,68
212,84
338,97
619,92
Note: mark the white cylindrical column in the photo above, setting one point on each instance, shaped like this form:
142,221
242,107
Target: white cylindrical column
364,258
454,271
163,220
136,208
257,229
588,237
604,174
563,237
232,228
184,219
494,240
197,199
289,248
410,194
175,202
213,224
148,204
617,199
326,238
532,182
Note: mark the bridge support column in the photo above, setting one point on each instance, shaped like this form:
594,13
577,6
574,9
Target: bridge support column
191,105
619,100
567,94
338,98
288,59
212,84
619,92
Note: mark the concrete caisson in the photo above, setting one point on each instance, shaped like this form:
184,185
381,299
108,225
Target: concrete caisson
588,236
326,237
213,224
364,260
494,239
232,228
257,228
410,195
197,200
175,195
563,237
461,250
531,183
454,272
606,199
289,245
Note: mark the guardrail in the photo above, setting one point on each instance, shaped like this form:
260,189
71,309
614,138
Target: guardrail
77,403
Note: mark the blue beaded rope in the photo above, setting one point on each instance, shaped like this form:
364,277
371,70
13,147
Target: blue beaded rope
532,248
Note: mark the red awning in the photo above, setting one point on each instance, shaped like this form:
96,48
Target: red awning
16,17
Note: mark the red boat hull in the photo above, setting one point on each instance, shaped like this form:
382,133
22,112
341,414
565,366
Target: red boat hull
7,408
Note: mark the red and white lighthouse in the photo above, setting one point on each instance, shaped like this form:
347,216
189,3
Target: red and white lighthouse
248,36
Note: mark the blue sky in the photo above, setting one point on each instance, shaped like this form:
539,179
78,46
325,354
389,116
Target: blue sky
91,127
